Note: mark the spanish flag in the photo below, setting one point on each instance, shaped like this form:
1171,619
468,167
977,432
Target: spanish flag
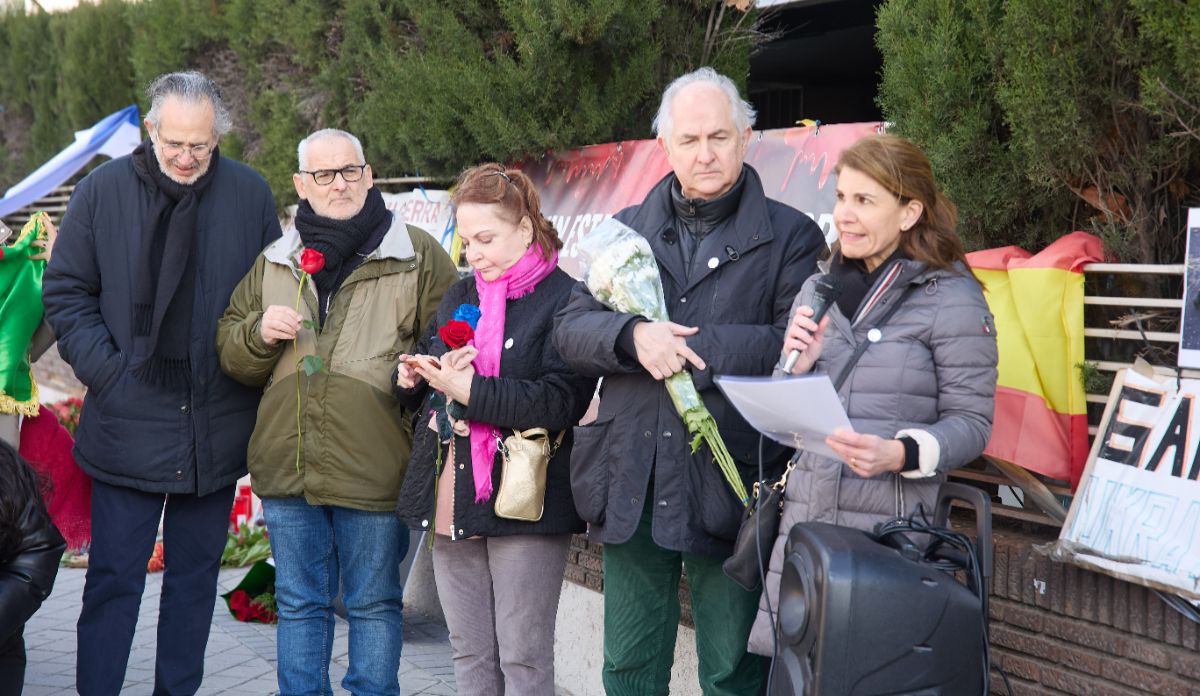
1037,299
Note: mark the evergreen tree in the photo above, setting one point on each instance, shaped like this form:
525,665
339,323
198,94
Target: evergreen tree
1041,118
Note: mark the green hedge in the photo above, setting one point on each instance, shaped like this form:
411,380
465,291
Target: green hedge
429,86
1045,117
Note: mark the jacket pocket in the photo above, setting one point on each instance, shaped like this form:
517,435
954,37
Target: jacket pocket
113,366
590,470
720,511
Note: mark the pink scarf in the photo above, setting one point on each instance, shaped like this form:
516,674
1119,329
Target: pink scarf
517,281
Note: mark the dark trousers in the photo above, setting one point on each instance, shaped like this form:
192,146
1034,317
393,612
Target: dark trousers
641,619
124,525
12,663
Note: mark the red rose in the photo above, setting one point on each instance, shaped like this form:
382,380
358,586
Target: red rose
239,600
311,261
455,334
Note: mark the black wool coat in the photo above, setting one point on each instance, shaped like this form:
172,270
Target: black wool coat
535,388
133,434
638,447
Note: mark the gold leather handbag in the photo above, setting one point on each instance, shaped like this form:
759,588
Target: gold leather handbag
522,491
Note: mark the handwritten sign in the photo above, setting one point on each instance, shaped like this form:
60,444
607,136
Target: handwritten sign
1136,514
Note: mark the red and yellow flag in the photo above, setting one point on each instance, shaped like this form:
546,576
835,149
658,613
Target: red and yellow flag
1037,299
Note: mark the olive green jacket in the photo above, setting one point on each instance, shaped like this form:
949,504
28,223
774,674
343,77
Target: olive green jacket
355,439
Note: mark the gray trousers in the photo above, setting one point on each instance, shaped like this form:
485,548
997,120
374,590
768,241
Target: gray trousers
500,596
10,429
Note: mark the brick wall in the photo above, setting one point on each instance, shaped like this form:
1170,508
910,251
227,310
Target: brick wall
1055,628
585,566
1059,629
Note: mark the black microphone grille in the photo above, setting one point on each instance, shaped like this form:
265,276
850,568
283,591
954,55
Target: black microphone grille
827,286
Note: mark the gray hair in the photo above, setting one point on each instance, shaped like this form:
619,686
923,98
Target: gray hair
739,109
323,134
190,86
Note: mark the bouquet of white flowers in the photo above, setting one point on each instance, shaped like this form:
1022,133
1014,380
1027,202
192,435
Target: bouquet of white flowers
620,271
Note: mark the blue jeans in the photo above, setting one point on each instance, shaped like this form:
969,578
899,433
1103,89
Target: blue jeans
312,545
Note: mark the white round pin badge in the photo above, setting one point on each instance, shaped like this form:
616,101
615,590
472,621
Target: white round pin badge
508,343
712,263
874,335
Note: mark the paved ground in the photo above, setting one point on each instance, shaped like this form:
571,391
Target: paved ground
240,658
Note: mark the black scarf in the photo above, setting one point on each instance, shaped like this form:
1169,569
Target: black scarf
855,281
164,284
338,240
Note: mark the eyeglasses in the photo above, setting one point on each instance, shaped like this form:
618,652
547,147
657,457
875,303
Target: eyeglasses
199,152
350,174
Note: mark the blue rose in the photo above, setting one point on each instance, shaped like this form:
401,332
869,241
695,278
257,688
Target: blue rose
468,313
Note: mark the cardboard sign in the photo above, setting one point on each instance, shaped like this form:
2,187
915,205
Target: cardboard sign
1136,514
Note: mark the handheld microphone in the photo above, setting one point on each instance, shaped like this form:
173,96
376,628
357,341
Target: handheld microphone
825,293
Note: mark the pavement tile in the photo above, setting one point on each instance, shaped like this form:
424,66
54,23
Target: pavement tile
55,679
240,659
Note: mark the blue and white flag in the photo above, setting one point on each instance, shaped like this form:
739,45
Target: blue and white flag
116,135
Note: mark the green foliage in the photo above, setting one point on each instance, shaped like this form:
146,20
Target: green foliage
1041,118
1094,380
312,364
939,75
168,33
475,80
428,86
94,68
246,546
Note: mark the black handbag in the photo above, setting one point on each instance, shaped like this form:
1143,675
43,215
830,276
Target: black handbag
752,548
747,565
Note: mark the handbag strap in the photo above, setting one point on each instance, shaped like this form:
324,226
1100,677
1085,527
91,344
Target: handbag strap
862,346
534,432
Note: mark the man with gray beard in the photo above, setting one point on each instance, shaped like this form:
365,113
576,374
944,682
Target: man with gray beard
149,251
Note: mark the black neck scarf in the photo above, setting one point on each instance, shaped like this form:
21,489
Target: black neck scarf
856,281
164,284
338,240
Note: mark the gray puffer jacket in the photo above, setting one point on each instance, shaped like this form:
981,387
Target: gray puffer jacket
931,376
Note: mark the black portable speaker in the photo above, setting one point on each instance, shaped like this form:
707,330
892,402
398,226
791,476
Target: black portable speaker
858,617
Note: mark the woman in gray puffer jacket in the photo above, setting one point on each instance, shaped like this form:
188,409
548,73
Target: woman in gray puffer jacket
920,398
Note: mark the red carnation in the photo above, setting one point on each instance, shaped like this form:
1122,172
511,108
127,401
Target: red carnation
311,261
455,334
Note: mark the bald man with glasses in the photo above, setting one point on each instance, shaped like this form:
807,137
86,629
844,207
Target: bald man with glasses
331,447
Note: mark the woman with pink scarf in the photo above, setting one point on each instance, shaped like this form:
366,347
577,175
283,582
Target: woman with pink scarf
488,367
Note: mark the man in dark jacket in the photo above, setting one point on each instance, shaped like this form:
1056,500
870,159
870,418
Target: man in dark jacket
149,251
731,261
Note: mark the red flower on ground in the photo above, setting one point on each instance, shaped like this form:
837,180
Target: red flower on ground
157,561
311,261
455,334
239,602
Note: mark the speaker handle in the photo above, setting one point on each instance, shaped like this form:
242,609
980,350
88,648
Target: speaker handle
982,506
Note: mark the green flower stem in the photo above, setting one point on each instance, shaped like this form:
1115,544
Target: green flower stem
299,422
703,426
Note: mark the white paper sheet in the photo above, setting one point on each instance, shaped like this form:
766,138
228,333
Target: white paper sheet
798,411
